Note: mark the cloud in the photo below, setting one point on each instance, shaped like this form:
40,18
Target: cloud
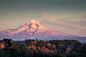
81,23
63,19
51,19
47,16
85,16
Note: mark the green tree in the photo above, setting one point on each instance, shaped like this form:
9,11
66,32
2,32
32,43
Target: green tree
36,39
7,42
25,46
14,45
59,53
0,47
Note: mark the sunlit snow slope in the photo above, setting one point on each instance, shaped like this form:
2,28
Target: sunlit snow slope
32,29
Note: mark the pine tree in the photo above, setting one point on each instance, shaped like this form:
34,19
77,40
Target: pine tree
25,46
13,44
0,47
36,39
59,53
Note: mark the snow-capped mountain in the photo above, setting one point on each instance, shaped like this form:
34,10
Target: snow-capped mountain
32,29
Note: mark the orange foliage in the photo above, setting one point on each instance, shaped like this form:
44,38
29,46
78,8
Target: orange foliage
34,42
68,49
53,46
43,47
2,45
52,51
48,44
61,45
38,48
29,47
33,47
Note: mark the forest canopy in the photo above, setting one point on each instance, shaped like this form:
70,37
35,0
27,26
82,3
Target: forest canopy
41,48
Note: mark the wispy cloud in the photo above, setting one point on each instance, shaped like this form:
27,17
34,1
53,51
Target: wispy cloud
63,19
85,16
49,18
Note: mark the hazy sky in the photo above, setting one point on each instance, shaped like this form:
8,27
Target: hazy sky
67,16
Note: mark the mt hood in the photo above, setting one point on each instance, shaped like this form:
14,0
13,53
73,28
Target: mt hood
32,29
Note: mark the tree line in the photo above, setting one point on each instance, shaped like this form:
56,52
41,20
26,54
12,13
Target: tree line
41,48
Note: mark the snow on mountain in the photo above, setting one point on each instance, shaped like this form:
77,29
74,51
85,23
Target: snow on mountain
32,29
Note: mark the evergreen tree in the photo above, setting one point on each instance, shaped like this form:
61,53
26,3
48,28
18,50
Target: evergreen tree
0,47
25,46
7,42
59,53
14,45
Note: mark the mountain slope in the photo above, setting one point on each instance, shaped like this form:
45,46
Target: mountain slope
32,29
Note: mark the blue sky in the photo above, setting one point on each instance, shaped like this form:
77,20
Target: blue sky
67,16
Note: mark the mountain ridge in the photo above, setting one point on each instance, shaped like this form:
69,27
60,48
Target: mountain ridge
32,29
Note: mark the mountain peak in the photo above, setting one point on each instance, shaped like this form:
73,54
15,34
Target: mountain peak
33,29
33,21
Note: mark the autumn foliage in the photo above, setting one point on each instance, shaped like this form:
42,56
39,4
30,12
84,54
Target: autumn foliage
41,48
